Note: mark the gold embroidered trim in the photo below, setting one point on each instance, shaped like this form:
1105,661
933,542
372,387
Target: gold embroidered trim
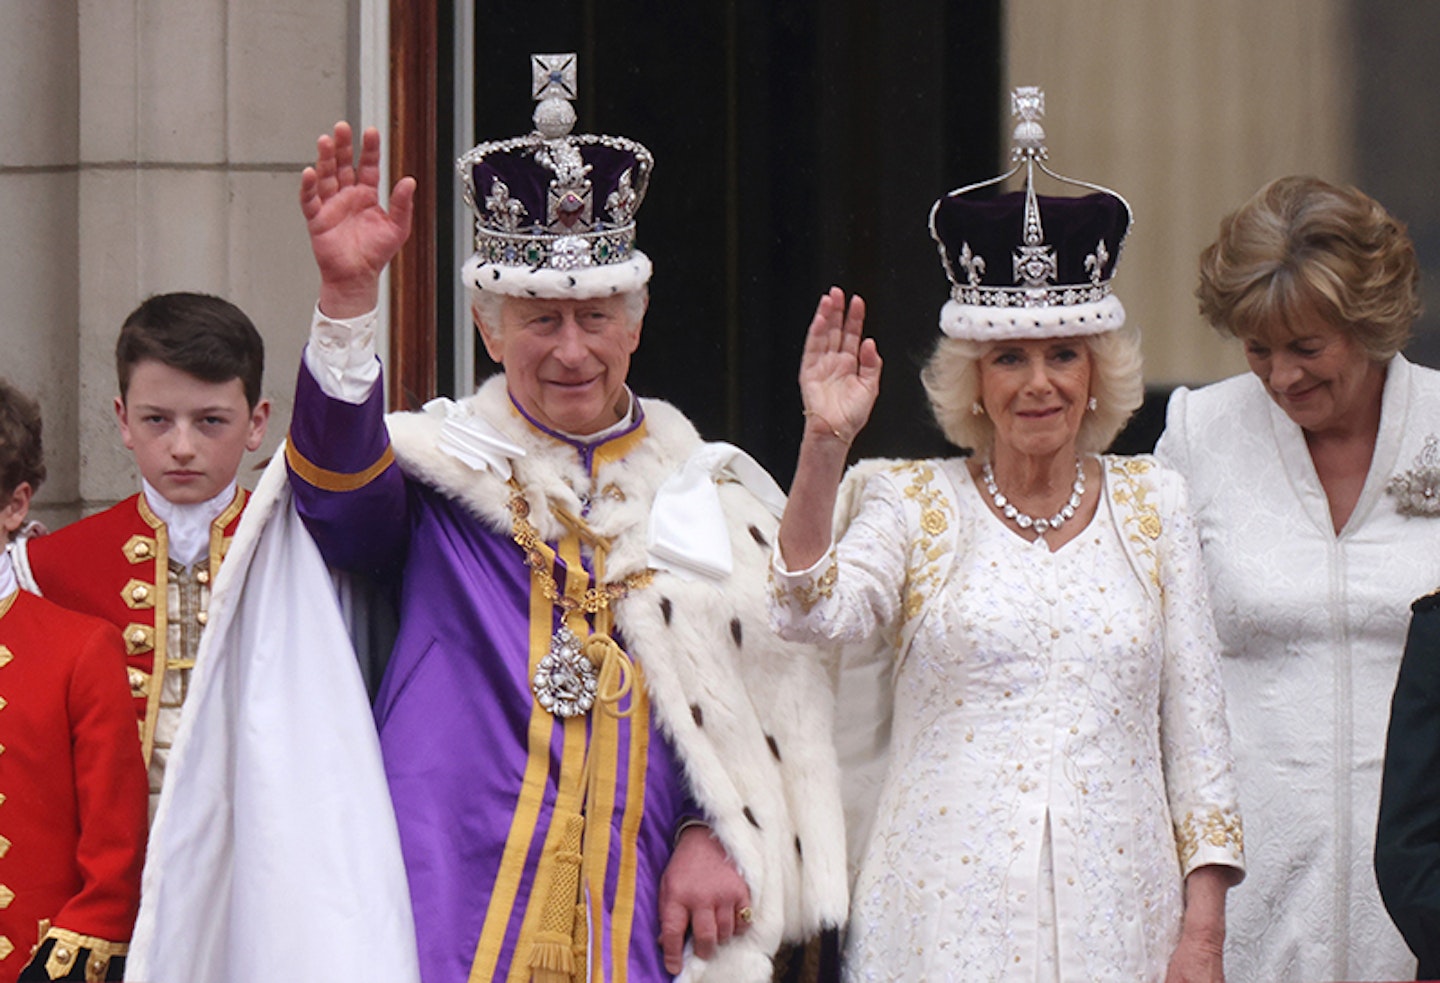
5,654
1214,828
219,542
6,896
1141,517
923,571
335,481
68,946
158,635
807,594
5,603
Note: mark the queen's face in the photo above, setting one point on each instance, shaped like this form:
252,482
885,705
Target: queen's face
1035,393
1316,372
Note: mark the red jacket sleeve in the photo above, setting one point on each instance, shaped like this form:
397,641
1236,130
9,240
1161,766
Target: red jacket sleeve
112,793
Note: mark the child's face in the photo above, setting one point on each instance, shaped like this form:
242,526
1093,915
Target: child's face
188,436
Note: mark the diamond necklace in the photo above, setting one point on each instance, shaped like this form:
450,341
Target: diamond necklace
1040,525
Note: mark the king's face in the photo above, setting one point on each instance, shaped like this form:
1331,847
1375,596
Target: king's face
566,361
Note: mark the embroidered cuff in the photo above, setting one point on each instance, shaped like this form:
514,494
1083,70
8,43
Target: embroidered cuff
1211,837
68,949
801,590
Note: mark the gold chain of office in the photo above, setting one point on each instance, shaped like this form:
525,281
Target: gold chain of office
594,599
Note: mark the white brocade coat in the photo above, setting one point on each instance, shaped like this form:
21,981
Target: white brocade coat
1312,624
1057,755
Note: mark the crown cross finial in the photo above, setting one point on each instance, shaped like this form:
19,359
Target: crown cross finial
552,82
1027,105
553,76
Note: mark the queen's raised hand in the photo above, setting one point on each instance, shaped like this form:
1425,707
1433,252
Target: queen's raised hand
839,371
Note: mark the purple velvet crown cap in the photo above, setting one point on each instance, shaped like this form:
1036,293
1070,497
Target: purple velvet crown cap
1026,265
555,211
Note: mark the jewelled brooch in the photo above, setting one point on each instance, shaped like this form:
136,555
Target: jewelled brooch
1417,491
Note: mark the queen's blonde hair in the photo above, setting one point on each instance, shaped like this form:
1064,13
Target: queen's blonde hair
952,381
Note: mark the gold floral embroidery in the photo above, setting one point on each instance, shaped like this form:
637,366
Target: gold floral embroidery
1141,517
807,594
924,570
1216,828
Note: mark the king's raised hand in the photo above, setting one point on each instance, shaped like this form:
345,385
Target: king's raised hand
839,371
352,235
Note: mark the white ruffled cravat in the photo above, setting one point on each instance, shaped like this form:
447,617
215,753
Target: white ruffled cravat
187,527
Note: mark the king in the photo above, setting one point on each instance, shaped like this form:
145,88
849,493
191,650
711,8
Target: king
603,766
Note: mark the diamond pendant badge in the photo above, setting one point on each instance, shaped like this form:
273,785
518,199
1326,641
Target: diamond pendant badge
565,680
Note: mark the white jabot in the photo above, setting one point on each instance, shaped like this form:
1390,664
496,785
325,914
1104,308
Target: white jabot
8,583
187,527
688,535
341,355
472,440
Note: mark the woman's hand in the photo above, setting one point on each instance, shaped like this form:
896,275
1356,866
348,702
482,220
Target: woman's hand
1197,960
352,235
840,371
839,380
1199,957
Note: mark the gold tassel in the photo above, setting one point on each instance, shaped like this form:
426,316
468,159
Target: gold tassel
552,957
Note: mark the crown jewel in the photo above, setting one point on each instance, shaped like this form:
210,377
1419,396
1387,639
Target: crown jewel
555,211
1062,250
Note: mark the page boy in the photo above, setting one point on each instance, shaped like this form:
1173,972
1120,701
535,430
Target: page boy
72,785
189,408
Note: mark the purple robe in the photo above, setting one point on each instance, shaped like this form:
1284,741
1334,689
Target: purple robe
475,766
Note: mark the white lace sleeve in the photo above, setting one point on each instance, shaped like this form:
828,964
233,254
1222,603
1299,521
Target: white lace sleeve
1195,739
857,586
341,355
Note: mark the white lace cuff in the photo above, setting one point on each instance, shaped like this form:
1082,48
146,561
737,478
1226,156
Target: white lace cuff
341,355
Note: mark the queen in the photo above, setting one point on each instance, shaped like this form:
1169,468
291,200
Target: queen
1055,800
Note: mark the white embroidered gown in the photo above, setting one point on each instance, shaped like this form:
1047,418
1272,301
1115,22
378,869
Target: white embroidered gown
1055,767
1312,625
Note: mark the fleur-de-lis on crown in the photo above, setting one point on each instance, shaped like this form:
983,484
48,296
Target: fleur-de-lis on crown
622,202
505,211
973,265
1095,262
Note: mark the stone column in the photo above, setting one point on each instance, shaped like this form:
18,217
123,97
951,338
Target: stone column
1186,108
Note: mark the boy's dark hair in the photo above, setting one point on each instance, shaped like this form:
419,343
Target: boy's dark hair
201,335
22,458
